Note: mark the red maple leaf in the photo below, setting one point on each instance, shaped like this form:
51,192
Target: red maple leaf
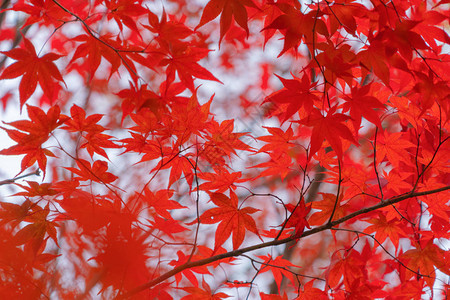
32,135
336,62
384,228
394,147
278,140
330,127
278,165
426,260
34,233
33,69
184,60
298,217
97,172
35,189
373,59
202,293
123,11
136,98
46,12
296,93
79,123
361,105
169,31
188,272
160,202
311,292
168,226
327,205
220,180
279,267
228,8
92,50
14,213
96,141
295,25
232,219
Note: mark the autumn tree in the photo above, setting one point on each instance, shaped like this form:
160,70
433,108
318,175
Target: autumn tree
225,148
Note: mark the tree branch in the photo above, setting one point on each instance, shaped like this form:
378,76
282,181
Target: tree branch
239,252
12,180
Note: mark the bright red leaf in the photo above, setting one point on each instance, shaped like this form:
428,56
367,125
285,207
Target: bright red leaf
227,9
33,69
331,127
232,219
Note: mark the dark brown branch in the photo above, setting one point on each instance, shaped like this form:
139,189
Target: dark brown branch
312,194
10,181
241,251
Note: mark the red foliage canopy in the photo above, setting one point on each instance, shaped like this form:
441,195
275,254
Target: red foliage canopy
179,138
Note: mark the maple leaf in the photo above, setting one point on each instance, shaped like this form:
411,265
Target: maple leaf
279,267
404,39
412,289
169,31
295,25
310,292
184,60
122,12
189,118
425,260
393,147
397,181
278,165
296,93
32,135
279,140
96,141
384,228
351,266
271,10
222,142
168,226
203,293
35,232
136,98
360,104
220,180
79,123
232,219
341,14
297,219
33,69
96,172
431,90
46,12
188,273
373,59
92,50
160,202
336,62
14,213
435,204
35,189
326,205
179,165
330,127
228,8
